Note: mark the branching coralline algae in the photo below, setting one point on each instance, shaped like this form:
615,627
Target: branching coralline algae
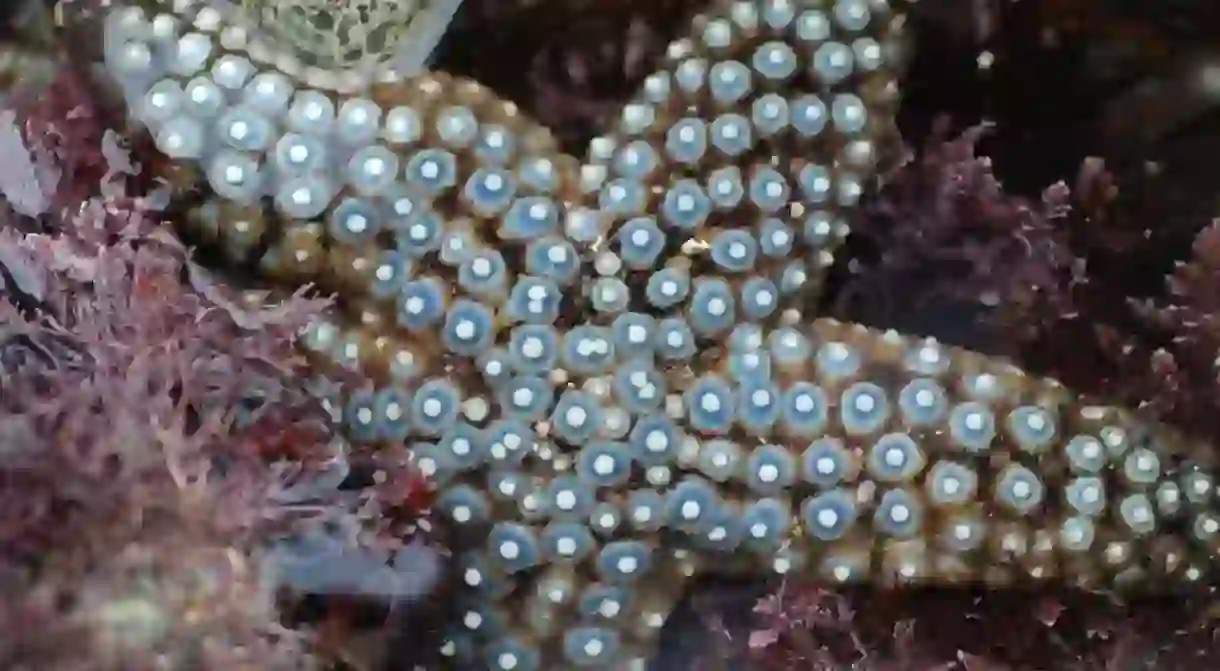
606,366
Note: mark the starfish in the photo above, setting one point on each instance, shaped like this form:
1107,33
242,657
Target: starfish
609,366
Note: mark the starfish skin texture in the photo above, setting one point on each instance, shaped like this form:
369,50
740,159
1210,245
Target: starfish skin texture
608,366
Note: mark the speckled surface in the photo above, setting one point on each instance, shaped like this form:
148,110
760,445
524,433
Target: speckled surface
608,365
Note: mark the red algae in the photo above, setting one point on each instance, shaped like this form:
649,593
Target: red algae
152,416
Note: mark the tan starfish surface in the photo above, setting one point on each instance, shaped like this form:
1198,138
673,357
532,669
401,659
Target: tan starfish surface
609,367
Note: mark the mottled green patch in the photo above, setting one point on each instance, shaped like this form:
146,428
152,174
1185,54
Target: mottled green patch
349,34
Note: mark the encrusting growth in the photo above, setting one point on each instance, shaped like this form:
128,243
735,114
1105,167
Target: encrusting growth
339,43
608,368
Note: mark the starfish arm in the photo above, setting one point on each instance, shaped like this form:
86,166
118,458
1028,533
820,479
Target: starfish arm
748,147
829,450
